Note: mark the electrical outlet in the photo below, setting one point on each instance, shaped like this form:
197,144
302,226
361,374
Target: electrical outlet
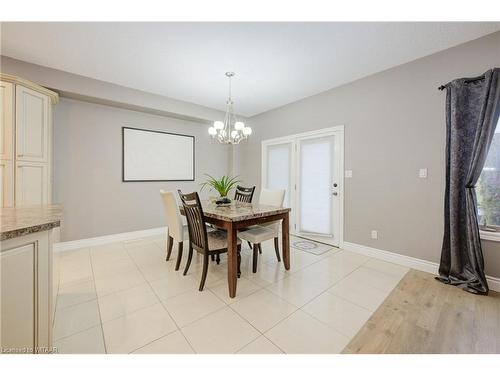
422,173
374,235
348,174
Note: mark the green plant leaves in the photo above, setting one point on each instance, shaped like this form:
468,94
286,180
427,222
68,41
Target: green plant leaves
222,185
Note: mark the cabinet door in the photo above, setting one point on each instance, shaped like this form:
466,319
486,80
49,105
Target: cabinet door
32,125
6,183
18,298
31,183
6,120
26,293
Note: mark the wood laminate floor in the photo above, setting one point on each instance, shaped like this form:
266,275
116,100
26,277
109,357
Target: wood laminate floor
422,315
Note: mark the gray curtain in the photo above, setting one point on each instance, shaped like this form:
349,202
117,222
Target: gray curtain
472,111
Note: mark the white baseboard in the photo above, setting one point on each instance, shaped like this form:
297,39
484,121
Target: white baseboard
403,260
102,240
493,283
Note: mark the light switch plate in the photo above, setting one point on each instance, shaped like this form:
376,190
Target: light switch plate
374,235
348,173
422,173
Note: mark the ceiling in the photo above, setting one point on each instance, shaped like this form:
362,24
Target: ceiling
275,63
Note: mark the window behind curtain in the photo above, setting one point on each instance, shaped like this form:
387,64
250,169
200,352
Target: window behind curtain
488,188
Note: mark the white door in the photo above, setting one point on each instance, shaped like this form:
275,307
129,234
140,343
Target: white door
309,167
317,184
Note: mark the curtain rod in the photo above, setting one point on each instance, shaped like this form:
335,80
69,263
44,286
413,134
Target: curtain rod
468,80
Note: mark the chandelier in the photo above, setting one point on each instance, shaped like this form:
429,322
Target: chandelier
229,131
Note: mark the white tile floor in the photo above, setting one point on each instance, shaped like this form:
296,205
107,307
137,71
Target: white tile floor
124,298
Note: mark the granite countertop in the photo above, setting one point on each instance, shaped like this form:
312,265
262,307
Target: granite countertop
20,221
238,211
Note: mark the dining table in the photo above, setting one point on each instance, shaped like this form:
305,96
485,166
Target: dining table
236,216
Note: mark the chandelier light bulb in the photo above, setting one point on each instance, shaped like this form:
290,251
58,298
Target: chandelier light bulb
212,130
218,125
247,131
234,133
238,125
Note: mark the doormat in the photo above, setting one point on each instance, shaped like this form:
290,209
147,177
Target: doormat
309,246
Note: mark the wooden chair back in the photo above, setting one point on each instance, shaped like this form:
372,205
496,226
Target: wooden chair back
195,220
244,194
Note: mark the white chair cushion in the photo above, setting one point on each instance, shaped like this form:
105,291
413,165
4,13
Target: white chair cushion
217,240
273,225
257,234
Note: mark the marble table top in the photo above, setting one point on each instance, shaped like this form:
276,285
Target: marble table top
20,221
238,211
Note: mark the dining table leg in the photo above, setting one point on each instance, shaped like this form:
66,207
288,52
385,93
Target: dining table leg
232,259
285,234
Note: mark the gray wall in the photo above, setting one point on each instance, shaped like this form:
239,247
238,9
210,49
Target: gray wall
73,85
88,166
394,125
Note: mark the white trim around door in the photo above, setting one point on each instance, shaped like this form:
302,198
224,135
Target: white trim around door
292,142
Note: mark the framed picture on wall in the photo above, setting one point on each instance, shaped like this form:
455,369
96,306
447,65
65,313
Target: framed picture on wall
151,155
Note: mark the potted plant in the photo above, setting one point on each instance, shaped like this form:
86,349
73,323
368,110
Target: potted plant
223,186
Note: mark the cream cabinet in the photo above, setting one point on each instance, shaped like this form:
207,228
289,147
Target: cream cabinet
6,144
32,125
7,183
26,294
26,142
6,119
32,183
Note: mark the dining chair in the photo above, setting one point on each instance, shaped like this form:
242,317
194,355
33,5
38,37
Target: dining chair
241,194
176,230
244,194
204,242
257,234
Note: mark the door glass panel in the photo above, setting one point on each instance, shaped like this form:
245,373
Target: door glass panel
278,169
316,179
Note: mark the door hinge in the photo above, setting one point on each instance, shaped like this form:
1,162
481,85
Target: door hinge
295,226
